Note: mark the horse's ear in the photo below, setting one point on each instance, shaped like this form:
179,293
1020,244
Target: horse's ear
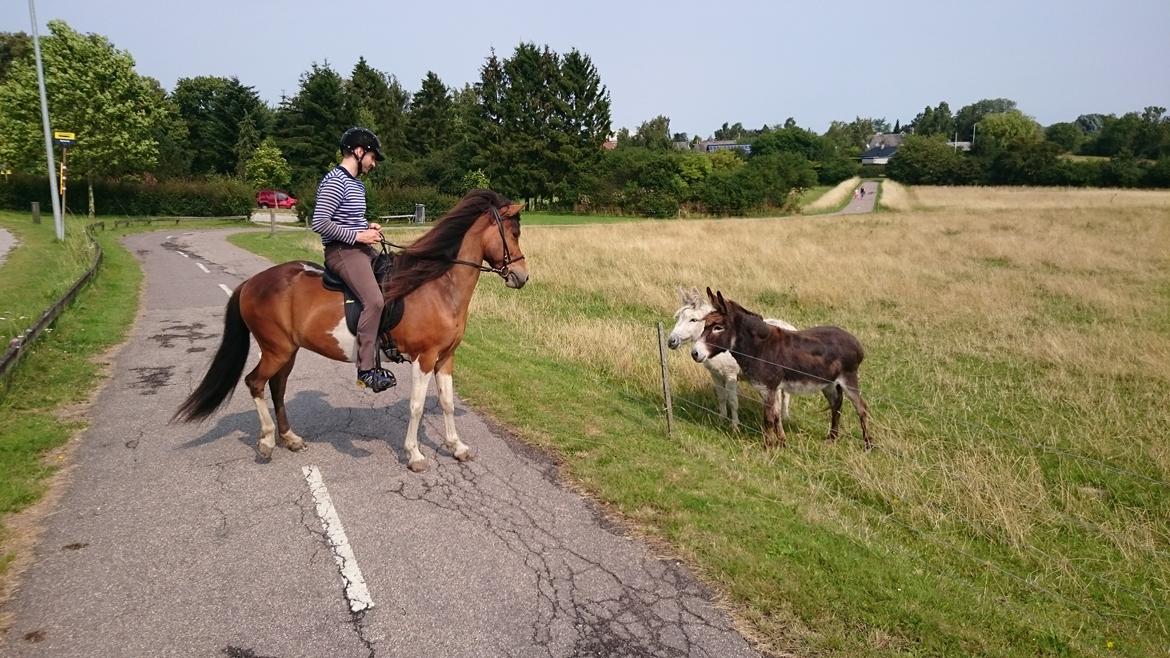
513,210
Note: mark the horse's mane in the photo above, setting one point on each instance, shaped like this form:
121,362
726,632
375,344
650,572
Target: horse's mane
433,254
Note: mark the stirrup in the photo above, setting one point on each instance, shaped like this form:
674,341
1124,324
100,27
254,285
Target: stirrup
392,354
376,379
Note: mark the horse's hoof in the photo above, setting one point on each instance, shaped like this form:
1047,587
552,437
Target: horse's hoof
465,455
419,466
265,451
296,444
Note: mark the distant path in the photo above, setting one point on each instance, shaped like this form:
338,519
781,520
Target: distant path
863,204
7,243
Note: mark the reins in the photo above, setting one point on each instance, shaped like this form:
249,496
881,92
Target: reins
503,270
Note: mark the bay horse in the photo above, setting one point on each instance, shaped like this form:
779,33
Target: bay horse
824,359
724,371
286,308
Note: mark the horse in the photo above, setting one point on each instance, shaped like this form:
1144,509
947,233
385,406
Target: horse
286,308
824,359
722,367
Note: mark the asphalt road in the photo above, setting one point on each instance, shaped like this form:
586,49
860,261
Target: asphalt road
861,204
7,242
174,540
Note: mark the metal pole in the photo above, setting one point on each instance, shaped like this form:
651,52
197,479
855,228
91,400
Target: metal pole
57,219
665,382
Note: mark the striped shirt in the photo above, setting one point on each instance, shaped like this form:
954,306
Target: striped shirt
340,212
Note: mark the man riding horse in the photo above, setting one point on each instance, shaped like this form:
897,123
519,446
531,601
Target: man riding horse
340,217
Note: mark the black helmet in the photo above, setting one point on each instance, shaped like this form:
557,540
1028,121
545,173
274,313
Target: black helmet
363,137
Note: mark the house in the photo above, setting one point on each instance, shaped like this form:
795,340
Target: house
880,148
878,155
712,145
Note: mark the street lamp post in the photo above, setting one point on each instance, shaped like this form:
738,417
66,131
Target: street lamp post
57,219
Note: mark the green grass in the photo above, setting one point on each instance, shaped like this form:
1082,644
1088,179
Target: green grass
59,369
829,551
813,193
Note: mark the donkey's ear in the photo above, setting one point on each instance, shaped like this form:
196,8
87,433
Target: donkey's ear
683,295
711,296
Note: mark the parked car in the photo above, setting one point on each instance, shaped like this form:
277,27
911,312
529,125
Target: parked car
275,199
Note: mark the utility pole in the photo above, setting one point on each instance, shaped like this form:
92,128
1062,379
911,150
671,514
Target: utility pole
58,221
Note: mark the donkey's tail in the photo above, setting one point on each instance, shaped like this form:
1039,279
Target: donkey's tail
220,381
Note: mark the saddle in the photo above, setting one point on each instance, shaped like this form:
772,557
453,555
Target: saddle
391,313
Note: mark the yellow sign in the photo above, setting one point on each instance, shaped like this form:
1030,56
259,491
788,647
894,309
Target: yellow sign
57,134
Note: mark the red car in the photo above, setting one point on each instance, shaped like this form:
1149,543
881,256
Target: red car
275,199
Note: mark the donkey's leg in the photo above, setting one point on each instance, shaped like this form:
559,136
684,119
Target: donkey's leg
720,397
853,391
785,400
773,424
271,362
420,380
447,401
287,437
833,396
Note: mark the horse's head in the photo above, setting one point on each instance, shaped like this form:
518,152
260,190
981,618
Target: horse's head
718,333
689,318
501,244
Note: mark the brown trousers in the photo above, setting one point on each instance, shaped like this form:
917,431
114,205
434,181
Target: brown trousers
354,264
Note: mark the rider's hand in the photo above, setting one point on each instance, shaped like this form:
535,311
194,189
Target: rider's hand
376,226
369,236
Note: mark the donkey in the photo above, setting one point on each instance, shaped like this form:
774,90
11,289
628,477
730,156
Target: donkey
822,359
723,368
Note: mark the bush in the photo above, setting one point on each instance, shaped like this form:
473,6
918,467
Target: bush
388,199
212,197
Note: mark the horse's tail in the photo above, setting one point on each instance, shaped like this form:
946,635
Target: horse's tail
220,381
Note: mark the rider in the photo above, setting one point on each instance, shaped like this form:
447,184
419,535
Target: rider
340,217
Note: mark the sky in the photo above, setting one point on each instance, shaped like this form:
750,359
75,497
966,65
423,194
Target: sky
699,63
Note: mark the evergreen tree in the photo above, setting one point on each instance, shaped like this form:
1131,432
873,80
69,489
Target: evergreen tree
432,117
379,96
216,109
310,124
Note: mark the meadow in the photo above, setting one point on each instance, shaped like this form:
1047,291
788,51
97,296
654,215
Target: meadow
1018,351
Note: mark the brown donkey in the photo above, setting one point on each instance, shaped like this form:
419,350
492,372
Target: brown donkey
822,359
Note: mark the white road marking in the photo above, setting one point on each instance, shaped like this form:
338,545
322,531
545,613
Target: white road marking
204,268
351,575
183,254
226,289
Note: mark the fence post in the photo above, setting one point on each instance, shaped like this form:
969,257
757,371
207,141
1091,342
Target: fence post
420,213
272,221
665,382
36,211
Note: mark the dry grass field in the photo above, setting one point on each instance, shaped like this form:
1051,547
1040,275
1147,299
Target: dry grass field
1018,376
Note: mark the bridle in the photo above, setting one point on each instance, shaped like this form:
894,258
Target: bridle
503,270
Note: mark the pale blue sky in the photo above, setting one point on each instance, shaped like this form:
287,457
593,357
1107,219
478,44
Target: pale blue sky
700,63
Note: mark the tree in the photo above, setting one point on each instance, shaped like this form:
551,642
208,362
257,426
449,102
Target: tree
969,115
733,132
309,125
929,161
935,121
266,167
851,138
1068,136
383,98
14,46
94,92
653,134
216,110
583,118
432,117
897,126
1000,130
170,132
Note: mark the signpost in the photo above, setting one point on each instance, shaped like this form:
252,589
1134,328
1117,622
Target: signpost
64,140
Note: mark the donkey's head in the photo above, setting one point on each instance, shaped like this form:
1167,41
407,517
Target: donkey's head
689,318
719,326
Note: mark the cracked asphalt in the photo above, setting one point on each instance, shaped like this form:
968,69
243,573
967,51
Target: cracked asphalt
175,540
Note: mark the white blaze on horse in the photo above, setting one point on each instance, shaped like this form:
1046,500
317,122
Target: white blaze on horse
823,359
286,308
722,367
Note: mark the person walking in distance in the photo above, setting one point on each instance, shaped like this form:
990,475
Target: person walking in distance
339,216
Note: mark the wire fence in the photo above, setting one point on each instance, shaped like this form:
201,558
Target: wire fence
1151,603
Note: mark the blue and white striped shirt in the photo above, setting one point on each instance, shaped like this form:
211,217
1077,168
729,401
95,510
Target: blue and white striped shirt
340,212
